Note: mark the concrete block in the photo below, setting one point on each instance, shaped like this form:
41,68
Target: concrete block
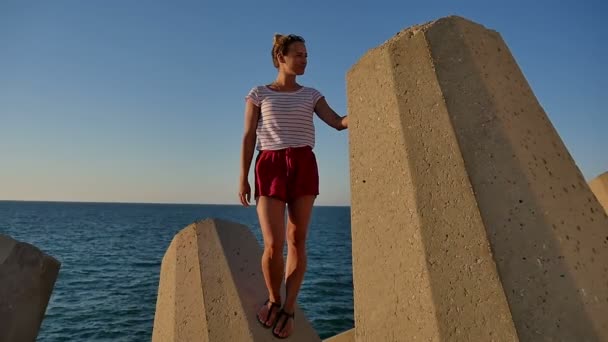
347,336
471,222
211,286
27,278
599,186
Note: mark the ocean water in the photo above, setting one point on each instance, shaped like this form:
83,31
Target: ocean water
110,256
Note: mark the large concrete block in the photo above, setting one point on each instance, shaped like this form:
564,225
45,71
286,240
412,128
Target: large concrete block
470,220
599,186
346,336
27,278
211,286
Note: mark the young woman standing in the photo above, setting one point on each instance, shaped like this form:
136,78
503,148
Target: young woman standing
279,120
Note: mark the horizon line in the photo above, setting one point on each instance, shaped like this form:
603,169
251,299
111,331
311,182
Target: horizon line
150,203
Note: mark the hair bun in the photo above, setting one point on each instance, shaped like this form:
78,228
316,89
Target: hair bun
277,37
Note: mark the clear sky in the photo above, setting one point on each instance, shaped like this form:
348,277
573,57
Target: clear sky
134,101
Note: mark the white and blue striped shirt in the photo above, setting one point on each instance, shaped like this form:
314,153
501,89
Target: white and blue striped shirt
286,118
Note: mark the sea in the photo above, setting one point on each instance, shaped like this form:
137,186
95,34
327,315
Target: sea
111,253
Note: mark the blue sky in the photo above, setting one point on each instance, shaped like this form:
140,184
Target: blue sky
133,101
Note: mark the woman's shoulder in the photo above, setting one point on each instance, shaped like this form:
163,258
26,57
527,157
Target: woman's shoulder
257,88
310,89
262,89
257,91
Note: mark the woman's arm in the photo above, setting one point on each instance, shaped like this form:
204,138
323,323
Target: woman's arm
329,116
252,113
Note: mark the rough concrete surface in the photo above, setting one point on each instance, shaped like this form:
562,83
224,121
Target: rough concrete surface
27,278
211,286
471,222
346,336
599,186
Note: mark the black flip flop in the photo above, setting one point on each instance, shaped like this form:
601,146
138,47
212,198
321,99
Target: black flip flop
281,314
270,311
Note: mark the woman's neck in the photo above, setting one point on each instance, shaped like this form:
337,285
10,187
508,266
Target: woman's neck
286,82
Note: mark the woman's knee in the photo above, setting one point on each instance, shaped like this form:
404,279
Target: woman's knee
274,247
297,242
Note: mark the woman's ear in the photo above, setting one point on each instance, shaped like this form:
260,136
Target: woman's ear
280,58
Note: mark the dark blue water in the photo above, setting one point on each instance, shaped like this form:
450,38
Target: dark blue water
110,258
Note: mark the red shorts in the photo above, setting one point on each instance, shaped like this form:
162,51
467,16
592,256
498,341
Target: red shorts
286,174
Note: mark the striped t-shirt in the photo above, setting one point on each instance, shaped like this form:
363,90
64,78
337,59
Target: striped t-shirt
286,118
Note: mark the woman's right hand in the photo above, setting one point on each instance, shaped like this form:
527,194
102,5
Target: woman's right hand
245,193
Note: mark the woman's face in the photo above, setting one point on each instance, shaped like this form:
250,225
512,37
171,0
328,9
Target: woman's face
296,58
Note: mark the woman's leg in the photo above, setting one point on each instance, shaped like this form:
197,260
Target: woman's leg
300,211
271,214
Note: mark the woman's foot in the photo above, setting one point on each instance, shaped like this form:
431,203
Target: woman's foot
268,313
285,324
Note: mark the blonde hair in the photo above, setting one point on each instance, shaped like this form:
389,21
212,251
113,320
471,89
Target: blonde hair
281,43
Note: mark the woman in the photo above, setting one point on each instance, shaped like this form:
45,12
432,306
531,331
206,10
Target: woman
279,118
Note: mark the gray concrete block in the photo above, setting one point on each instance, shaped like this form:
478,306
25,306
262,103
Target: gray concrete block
346,336
471,222
599,186
27,278
211,287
